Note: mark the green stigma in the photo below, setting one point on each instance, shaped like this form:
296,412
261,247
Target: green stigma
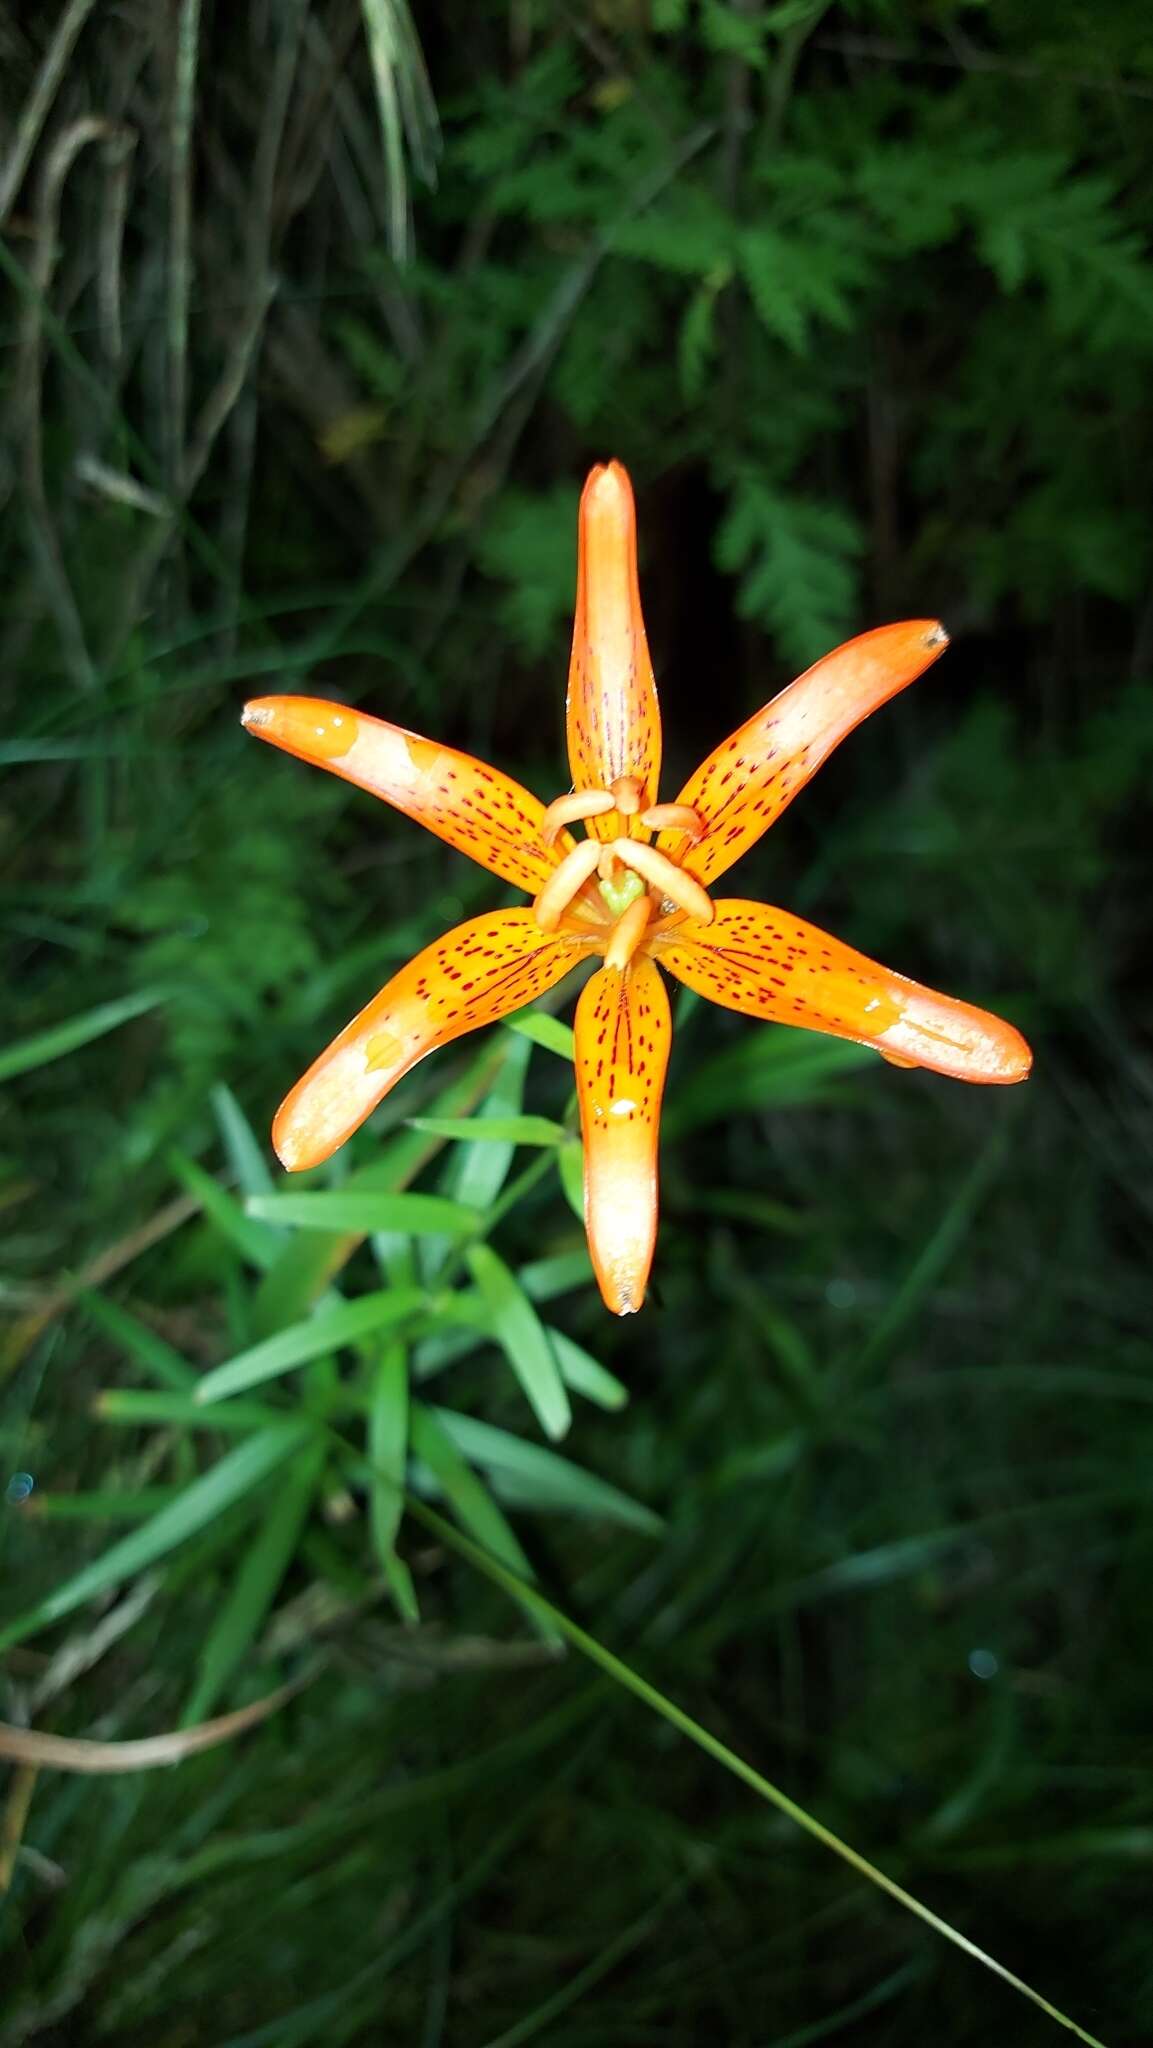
625,890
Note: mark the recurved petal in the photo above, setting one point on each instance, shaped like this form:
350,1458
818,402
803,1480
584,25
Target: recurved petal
614,720
623,1030
745,785
477,809
478,972
768,963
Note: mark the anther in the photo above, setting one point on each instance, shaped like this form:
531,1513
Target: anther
565,882
628,933
663,874
573,810
626,795
674,817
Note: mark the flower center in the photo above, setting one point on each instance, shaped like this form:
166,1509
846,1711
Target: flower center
635,880
621,890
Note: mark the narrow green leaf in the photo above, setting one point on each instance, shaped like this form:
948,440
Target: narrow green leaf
388,1453
521,1335
935,1254
306,1267
254,1586
584,1374
326,1331
183,1411
197,1508
246,1155
149,1351
545,1031
468,1496
495,1569
542,1279
256,1244
762,1069
549,1481
103,1505
478,1170
460,1322
416,1215
494,1130
61,1039
571,1167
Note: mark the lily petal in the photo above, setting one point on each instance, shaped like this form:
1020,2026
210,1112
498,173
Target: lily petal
742,788
614,720
768,963
474,807
478,972
623,1031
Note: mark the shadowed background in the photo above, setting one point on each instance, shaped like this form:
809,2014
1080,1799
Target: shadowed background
315,314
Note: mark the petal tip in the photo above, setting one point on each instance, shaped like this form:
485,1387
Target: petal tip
289,1146
608,487
1017,1063
255,715
937,635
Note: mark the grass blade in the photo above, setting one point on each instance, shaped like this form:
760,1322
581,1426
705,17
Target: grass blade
183,1411
198,1507
523,1339
935,1254
327,1331
554,1483
415,1215
388,1452
494,1130
141,1344
471,1501
585,1374
257,1580
61,1039
631,1681
257,1244
246,1155
545,1031
304,1269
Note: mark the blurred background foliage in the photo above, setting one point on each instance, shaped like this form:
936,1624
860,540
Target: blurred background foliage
315,313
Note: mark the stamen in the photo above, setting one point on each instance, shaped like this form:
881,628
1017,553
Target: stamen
573,810
626,791
663,874
667,817
628,933
565,882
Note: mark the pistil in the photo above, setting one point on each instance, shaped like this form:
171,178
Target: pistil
659,872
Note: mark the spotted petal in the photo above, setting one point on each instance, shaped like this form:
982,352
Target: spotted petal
767,963
745,785
614,720
474,807
623,1029
478,972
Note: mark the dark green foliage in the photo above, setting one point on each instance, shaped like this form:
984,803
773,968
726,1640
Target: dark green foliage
863,296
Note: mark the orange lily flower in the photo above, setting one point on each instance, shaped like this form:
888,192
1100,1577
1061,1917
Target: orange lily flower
633,893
